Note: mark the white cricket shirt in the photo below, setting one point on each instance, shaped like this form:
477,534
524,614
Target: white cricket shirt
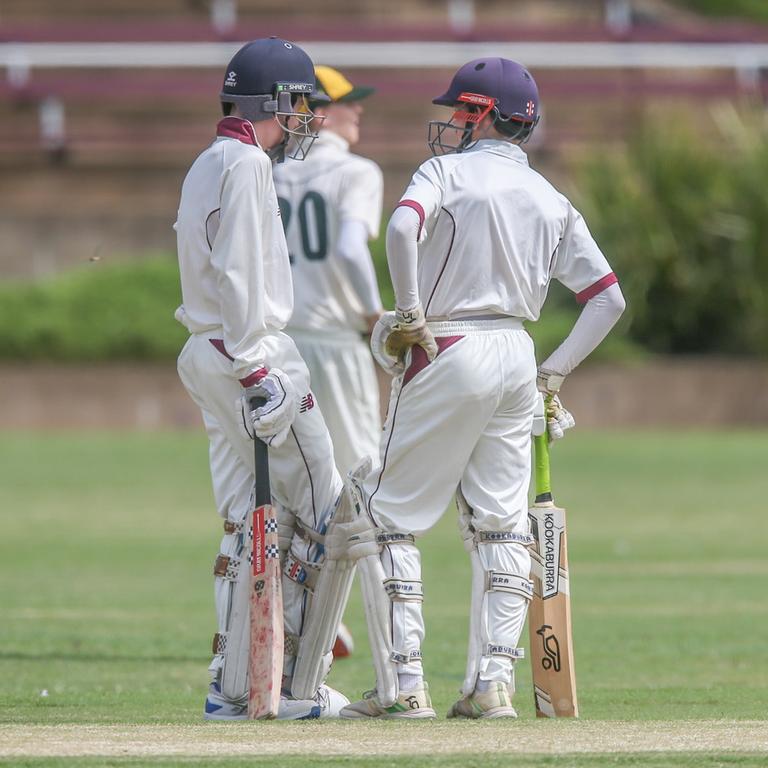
233,259
316,195
494,233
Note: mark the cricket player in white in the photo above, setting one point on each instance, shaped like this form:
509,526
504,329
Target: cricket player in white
472,248
237,298
331,208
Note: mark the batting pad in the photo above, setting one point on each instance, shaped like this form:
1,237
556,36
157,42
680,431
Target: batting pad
331,593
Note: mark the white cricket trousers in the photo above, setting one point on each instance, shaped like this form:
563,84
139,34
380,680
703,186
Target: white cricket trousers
344,381
303,477
465,421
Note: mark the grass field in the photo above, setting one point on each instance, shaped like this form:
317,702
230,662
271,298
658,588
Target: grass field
107,613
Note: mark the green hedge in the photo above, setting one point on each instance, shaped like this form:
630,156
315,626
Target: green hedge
756,10
124,311
100,312
684,223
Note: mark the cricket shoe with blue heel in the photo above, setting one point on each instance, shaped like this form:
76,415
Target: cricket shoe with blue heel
327,702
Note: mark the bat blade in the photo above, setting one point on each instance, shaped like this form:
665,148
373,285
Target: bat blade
265,667
549,615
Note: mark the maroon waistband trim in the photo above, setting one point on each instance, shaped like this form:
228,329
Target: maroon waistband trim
419,359
219,344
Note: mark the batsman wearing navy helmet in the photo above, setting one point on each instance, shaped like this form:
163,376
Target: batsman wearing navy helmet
237,298
472,248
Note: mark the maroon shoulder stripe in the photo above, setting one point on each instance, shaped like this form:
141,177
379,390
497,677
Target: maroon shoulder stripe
598,287
416,207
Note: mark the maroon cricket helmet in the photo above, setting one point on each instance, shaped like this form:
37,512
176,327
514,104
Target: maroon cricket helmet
510,84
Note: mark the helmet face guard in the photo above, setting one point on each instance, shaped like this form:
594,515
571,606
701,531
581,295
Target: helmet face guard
288,105
456,135
293,113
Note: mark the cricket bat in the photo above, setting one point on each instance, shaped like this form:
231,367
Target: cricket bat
549,614
265,661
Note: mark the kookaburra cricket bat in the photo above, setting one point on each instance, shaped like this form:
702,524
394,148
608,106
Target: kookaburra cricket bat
549,614
265,665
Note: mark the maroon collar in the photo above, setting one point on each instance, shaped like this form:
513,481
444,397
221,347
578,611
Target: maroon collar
237,128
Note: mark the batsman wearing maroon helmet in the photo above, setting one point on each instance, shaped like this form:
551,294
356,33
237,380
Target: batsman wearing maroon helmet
472,248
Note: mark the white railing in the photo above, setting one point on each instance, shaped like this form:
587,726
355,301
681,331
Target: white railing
421,55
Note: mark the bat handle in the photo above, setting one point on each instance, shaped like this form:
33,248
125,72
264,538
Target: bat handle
262,493
543,481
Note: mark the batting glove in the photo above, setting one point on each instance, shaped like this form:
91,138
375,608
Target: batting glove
410,330
272,421
558,418
381,331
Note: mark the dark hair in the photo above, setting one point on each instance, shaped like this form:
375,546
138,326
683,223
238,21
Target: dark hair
514,129
226,108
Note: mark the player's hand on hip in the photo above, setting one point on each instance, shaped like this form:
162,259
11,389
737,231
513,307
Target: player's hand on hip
379,335
410,330
272,421
559,419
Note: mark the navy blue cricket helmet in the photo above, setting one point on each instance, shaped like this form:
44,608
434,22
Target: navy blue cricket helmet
264,69
273,78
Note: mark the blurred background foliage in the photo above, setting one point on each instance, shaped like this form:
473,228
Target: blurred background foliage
747,9
684,222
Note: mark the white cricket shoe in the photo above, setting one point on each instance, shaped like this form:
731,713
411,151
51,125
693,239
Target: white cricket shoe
490,704
331,701
327,702
414,704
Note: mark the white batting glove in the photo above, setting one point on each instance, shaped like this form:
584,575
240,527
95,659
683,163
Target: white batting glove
410,330
558,418
379,335
272,421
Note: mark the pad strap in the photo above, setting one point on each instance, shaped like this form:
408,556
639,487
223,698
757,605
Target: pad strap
219,644
506,651
301,572
404,590
232,527
383,538
504,537
308,533
500,581
227,567
405,657
291,644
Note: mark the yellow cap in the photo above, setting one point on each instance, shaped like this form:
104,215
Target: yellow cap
331,82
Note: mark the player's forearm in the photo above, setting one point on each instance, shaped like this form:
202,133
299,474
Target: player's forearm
352,249
402,256
597,318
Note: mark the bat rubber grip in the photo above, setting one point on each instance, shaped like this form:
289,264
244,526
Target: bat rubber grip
543,481
262,490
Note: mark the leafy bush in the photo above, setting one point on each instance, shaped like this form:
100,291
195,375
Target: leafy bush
100,312
685,225
736,9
